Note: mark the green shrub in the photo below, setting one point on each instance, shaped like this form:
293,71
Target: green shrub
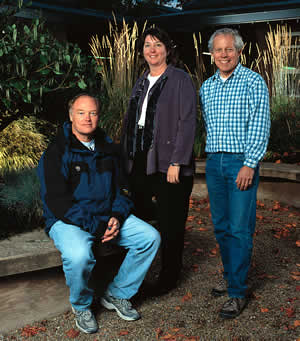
20,204
285,126
33,62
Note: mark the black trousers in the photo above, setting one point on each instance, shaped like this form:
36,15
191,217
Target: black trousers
170,211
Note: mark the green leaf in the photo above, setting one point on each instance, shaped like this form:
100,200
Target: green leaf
82,84
68,59
26,29
43,59
18,85
1,52
45,71
58,72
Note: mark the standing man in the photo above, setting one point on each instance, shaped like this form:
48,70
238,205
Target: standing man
83,205
235,107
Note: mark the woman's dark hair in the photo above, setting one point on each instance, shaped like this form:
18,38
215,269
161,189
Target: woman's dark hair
162,36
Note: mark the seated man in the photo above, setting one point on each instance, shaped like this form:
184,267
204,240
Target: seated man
83,204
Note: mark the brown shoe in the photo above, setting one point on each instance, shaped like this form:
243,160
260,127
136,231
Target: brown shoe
233,307
221,288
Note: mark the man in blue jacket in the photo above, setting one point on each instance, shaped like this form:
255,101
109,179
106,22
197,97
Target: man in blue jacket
83,204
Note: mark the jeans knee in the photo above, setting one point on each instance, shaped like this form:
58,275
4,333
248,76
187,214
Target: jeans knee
81,258
153,238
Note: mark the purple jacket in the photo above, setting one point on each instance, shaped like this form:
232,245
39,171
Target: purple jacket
174,123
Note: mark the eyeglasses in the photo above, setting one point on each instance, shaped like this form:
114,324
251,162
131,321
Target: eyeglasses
227,51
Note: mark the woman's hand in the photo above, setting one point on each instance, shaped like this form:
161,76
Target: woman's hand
112,230
173,174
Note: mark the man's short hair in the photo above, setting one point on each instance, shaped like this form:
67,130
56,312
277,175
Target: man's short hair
238,40
73,100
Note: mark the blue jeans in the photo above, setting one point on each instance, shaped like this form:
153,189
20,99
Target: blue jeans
234,215
75,245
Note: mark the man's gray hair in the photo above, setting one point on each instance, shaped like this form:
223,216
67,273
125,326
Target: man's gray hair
238,40
72,101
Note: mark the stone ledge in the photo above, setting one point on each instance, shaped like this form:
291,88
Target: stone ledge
267,169
32,251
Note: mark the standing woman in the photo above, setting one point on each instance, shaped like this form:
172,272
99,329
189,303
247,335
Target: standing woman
157,141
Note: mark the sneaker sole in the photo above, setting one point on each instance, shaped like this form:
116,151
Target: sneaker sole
110,306
231,316
92,331
217,293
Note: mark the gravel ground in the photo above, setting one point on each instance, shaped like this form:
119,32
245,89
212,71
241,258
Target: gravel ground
189,312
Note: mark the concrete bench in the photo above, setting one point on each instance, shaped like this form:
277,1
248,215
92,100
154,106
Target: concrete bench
31,251
267,169
277,182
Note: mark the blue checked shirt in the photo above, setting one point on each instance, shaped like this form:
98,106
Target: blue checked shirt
236,114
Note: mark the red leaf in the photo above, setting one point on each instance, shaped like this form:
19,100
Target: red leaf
72,333
297,323
264,310
29,331
124,332
290,312
158,332
187,296
298,243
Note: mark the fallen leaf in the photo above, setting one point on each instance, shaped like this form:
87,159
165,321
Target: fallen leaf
264,310
72,333
29,331
158,332
290,312
296,278
187,296
297,323
168,337
202,229
296,273
177,308
298,243
190,218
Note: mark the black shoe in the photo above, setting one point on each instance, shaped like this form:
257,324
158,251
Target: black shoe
233,307
157,289
221,288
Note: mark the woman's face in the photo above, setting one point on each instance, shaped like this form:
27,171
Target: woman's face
155,52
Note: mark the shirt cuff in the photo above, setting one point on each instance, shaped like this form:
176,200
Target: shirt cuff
250,163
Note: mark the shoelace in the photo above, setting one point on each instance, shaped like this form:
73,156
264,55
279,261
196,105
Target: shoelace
86,314
125,303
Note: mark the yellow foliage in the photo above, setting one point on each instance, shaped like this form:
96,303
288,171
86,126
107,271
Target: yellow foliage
21,146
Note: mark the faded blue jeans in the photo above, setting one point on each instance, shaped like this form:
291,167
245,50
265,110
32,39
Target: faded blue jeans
142,241
234,216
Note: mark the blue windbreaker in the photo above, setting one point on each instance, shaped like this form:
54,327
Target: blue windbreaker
80,186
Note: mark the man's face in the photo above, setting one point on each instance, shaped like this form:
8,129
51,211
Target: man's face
84,117
225,54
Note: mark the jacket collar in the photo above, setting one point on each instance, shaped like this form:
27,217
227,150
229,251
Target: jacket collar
103,143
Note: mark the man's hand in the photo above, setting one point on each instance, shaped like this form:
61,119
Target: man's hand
173,174
112,230
244,178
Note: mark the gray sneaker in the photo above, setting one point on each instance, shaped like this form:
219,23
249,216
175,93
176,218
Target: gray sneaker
233,307
221,288
85,321
122,306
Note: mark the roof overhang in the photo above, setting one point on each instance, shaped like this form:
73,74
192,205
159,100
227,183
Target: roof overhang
193,20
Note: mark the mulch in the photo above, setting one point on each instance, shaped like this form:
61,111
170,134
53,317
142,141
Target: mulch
189,312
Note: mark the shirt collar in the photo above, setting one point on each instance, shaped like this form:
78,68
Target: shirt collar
236,72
